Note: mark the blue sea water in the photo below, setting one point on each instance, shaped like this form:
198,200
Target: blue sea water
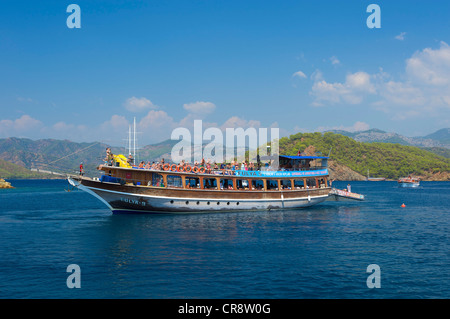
318,252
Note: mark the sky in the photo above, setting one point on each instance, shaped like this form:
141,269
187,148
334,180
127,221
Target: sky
301,66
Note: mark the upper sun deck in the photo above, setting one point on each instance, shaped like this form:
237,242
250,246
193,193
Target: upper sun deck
287,167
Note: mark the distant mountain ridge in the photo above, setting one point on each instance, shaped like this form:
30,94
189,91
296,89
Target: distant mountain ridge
440,138
63,156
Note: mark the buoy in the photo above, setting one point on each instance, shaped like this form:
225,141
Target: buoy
403,205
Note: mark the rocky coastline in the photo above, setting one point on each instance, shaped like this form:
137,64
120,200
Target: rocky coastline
5,184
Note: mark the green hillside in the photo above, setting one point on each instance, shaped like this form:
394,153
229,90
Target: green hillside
382,159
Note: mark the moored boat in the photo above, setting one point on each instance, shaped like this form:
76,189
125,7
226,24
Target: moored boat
374,179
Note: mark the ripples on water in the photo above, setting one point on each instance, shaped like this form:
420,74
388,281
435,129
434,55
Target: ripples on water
319,252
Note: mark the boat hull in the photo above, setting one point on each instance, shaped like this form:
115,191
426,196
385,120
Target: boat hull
408,184
141,199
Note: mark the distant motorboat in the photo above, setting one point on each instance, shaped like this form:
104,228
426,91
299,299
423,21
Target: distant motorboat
409,181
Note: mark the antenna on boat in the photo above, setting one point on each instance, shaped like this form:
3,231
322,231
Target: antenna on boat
134,137
329,152
131,141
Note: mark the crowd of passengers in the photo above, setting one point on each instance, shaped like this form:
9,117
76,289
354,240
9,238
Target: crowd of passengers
206,166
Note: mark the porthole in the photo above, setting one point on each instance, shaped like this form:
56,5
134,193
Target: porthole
218,203
208,203
171,201
237,203
187,202
228,203
198,203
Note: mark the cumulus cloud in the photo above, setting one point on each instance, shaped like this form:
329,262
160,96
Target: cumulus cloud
352,91
430,67
134,104
19,126
299,74
200,107
423,89
235,121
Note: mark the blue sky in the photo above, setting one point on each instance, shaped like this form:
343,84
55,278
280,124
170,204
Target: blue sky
297,65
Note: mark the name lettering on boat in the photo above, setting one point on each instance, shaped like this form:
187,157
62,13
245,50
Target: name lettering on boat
132,201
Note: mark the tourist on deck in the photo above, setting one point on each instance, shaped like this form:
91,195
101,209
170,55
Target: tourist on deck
81,169
130,159
109,159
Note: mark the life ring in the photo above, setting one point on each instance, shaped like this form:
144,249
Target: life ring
166,167
195,169
188,168
179,168
173,168
201,170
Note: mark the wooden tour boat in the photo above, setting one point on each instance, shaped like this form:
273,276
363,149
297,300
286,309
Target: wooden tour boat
300,181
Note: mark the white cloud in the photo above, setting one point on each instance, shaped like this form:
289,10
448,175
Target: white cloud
134,104
235,121
424,88
334,60
401,36
299,74
430,67
200,107
352,91
19,126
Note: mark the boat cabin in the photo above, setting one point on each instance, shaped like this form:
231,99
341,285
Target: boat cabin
294,173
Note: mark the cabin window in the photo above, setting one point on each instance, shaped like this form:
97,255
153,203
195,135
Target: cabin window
311,183
226,183
192,182
157,180
286,184
257,184
298,184
174,181
209,183
242,184
272,185
322,183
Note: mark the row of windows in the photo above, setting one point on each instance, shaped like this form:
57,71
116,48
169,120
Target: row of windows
226,183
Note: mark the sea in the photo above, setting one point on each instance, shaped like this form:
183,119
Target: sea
62,243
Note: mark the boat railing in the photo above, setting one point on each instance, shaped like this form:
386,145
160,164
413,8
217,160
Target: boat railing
230,171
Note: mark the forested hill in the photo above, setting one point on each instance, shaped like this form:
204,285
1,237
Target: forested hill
381,159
